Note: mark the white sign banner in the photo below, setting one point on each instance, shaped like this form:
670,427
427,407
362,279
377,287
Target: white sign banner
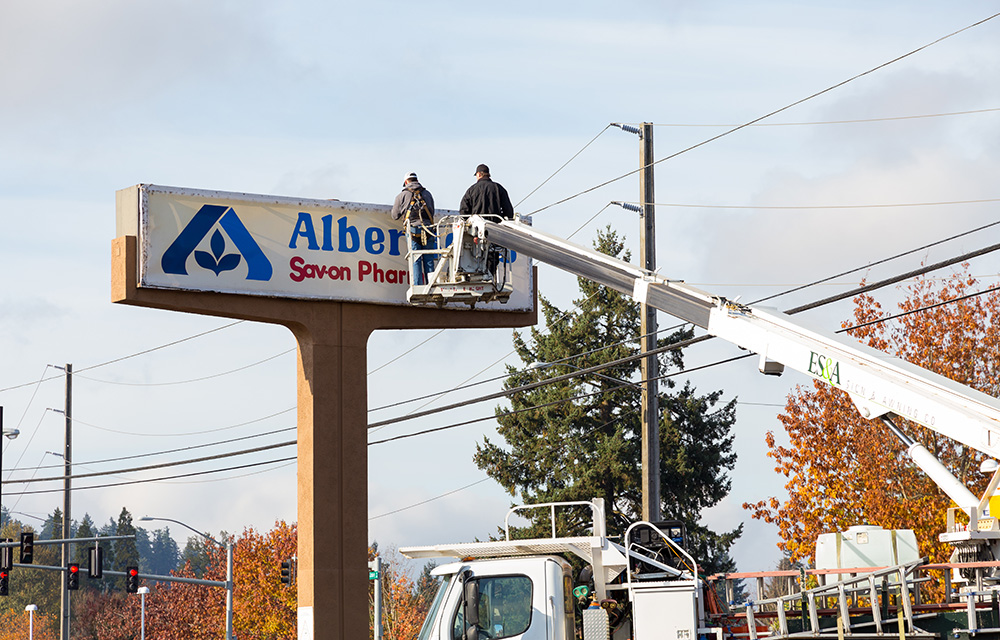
279,247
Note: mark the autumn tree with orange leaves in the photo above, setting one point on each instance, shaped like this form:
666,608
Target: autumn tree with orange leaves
14,625
405,599
844,470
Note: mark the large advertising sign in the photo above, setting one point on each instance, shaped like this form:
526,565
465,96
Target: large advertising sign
277,246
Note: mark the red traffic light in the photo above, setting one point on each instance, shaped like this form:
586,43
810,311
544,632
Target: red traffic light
73,568
133,572
3,574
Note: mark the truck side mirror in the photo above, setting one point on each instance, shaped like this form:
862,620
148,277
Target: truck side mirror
471,604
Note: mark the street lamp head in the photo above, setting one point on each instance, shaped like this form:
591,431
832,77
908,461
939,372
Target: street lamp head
143,591
31,607
989,465
11,433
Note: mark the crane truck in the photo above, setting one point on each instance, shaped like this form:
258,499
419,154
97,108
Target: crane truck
646,586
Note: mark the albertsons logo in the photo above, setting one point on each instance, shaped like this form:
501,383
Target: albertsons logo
220,258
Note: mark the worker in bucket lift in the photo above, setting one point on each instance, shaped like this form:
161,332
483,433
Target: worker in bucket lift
487,198
415,205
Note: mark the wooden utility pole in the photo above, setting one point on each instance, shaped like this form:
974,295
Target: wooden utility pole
649,364
64,608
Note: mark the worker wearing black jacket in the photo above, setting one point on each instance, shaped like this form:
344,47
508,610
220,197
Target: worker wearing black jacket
486,197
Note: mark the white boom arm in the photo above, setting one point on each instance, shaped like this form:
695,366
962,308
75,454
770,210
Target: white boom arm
878,384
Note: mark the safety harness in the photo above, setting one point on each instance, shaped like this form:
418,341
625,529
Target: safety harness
418,207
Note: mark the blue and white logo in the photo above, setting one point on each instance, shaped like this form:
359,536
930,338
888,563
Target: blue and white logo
175,257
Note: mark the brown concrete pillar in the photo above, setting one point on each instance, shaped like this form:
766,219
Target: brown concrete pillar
332,425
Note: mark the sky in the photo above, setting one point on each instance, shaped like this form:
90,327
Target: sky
341,100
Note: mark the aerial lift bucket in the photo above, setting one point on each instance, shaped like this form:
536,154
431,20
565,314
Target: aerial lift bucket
462,267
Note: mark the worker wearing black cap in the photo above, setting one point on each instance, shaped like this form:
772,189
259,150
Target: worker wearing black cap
486,197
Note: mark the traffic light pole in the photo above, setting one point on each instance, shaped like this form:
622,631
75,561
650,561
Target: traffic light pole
229,588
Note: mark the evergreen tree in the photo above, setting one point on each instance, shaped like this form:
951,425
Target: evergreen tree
52,527
81,550
126,553
145,549
575,446
164,554
109,549
196,553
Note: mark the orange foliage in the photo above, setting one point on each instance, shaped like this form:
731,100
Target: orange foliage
262,606
404,601
14,625
844,470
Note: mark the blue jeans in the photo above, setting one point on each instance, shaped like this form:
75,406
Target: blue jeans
422,265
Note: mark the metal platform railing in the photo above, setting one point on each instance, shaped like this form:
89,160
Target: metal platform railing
898,579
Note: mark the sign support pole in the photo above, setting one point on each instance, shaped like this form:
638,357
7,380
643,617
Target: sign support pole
332,425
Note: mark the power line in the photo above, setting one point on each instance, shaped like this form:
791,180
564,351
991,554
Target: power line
423,502
162,465
176,382
563,167
819,206
856,121
671,347
768,115
144,481
133,355
162,453
188,433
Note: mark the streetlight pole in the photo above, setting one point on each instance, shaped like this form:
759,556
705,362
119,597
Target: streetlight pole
142,616
229,567
31,608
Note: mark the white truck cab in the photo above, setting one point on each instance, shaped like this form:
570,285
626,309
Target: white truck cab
646,589
525,598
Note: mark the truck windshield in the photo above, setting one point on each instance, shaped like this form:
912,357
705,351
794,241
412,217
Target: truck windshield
425,631
504,608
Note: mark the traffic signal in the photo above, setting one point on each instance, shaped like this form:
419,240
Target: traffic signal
27,547
286,572
72,576
132,579
4,582
95,563
6,556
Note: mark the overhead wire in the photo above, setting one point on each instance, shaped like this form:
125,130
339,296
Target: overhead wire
563,445
190,380
670,347
562,167
436,429
188,433
823,122
818,206
132,355
160,479
149,467
165,452
768,115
